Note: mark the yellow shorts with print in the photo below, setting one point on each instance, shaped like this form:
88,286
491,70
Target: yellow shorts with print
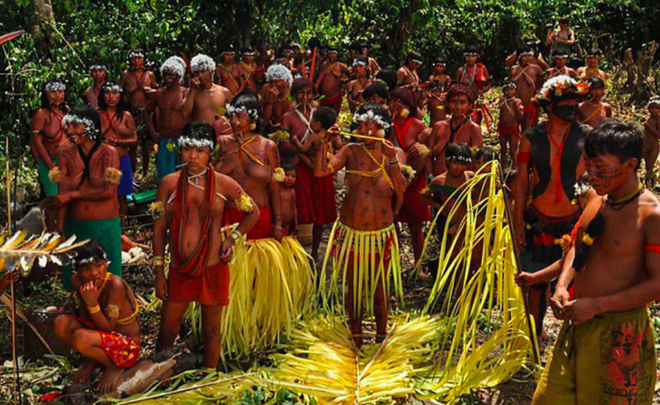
608,360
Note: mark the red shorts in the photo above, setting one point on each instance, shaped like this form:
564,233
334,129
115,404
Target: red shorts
315,198
261,230
122,350
414,211
209,288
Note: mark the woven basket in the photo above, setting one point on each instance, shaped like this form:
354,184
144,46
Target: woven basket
43,322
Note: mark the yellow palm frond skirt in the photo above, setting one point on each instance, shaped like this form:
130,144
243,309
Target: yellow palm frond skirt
371,256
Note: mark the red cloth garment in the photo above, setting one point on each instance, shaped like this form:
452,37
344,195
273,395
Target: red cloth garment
507,131
530,109
333,102
652,248
261,230
315,198
122,350
414,211
210,288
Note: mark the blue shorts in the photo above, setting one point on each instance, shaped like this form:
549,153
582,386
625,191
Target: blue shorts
125,186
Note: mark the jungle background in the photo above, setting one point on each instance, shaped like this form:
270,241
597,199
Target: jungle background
64,37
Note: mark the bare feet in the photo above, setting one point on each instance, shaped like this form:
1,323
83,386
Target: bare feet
85,371
110,379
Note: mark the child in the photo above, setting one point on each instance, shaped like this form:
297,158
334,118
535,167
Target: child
442,187
651,136
288,200
105,328
593,110
315,196
440,82
483,156
511,115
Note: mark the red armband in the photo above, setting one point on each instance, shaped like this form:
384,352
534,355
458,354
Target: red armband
652,248
524,157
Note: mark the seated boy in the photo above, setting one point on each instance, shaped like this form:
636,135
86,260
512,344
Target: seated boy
104,326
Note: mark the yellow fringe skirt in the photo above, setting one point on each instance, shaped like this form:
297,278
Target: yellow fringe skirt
371,256
272,285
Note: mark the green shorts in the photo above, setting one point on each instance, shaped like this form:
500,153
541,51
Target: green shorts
50,188
609,359
107,232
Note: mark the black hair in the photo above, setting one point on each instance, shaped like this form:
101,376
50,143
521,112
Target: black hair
246,49
294,45
326,116
313,42
376,108
559,52
406,96
458,151
300,84
121,106
414,55
471,49
593,52
595,81
287,166
229,48
135,50
508,83
44,97
332,48
389,77
90,252
486,153
88,113
440,60
377,88
363,60
614,137
565,19
460,89
200,130
250,101
524,49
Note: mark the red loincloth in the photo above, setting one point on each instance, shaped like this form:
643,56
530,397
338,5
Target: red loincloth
507,131
315,197
261,230
122,350
333,102
210,288
414,211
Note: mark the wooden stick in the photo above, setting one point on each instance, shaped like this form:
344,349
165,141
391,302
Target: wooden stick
21,315
516,255
311,70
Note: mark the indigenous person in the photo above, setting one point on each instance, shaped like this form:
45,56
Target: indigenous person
166,104
99,73
244,70
605,351
563,38
592,69
440,81
475,76
511,115
88,175
356,86
118,130
315,196
189,208
275,96
442,187
104,326
225,71
553,152
459,128
484,156
409,136
47,140
137,81
298,122
593,110
205,100
288,196
651,138
408,76
560,57
330,81
363,242
528,79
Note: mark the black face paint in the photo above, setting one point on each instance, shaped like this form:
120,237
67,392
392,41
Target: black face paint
565,112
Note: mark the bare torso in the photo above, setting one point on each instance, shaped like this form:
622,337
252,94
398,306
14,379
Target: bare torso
169,102
134,83
208,104
528,81
115,129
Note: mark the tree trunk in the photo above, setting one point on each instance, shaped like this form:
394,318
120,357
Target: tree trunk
44,22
